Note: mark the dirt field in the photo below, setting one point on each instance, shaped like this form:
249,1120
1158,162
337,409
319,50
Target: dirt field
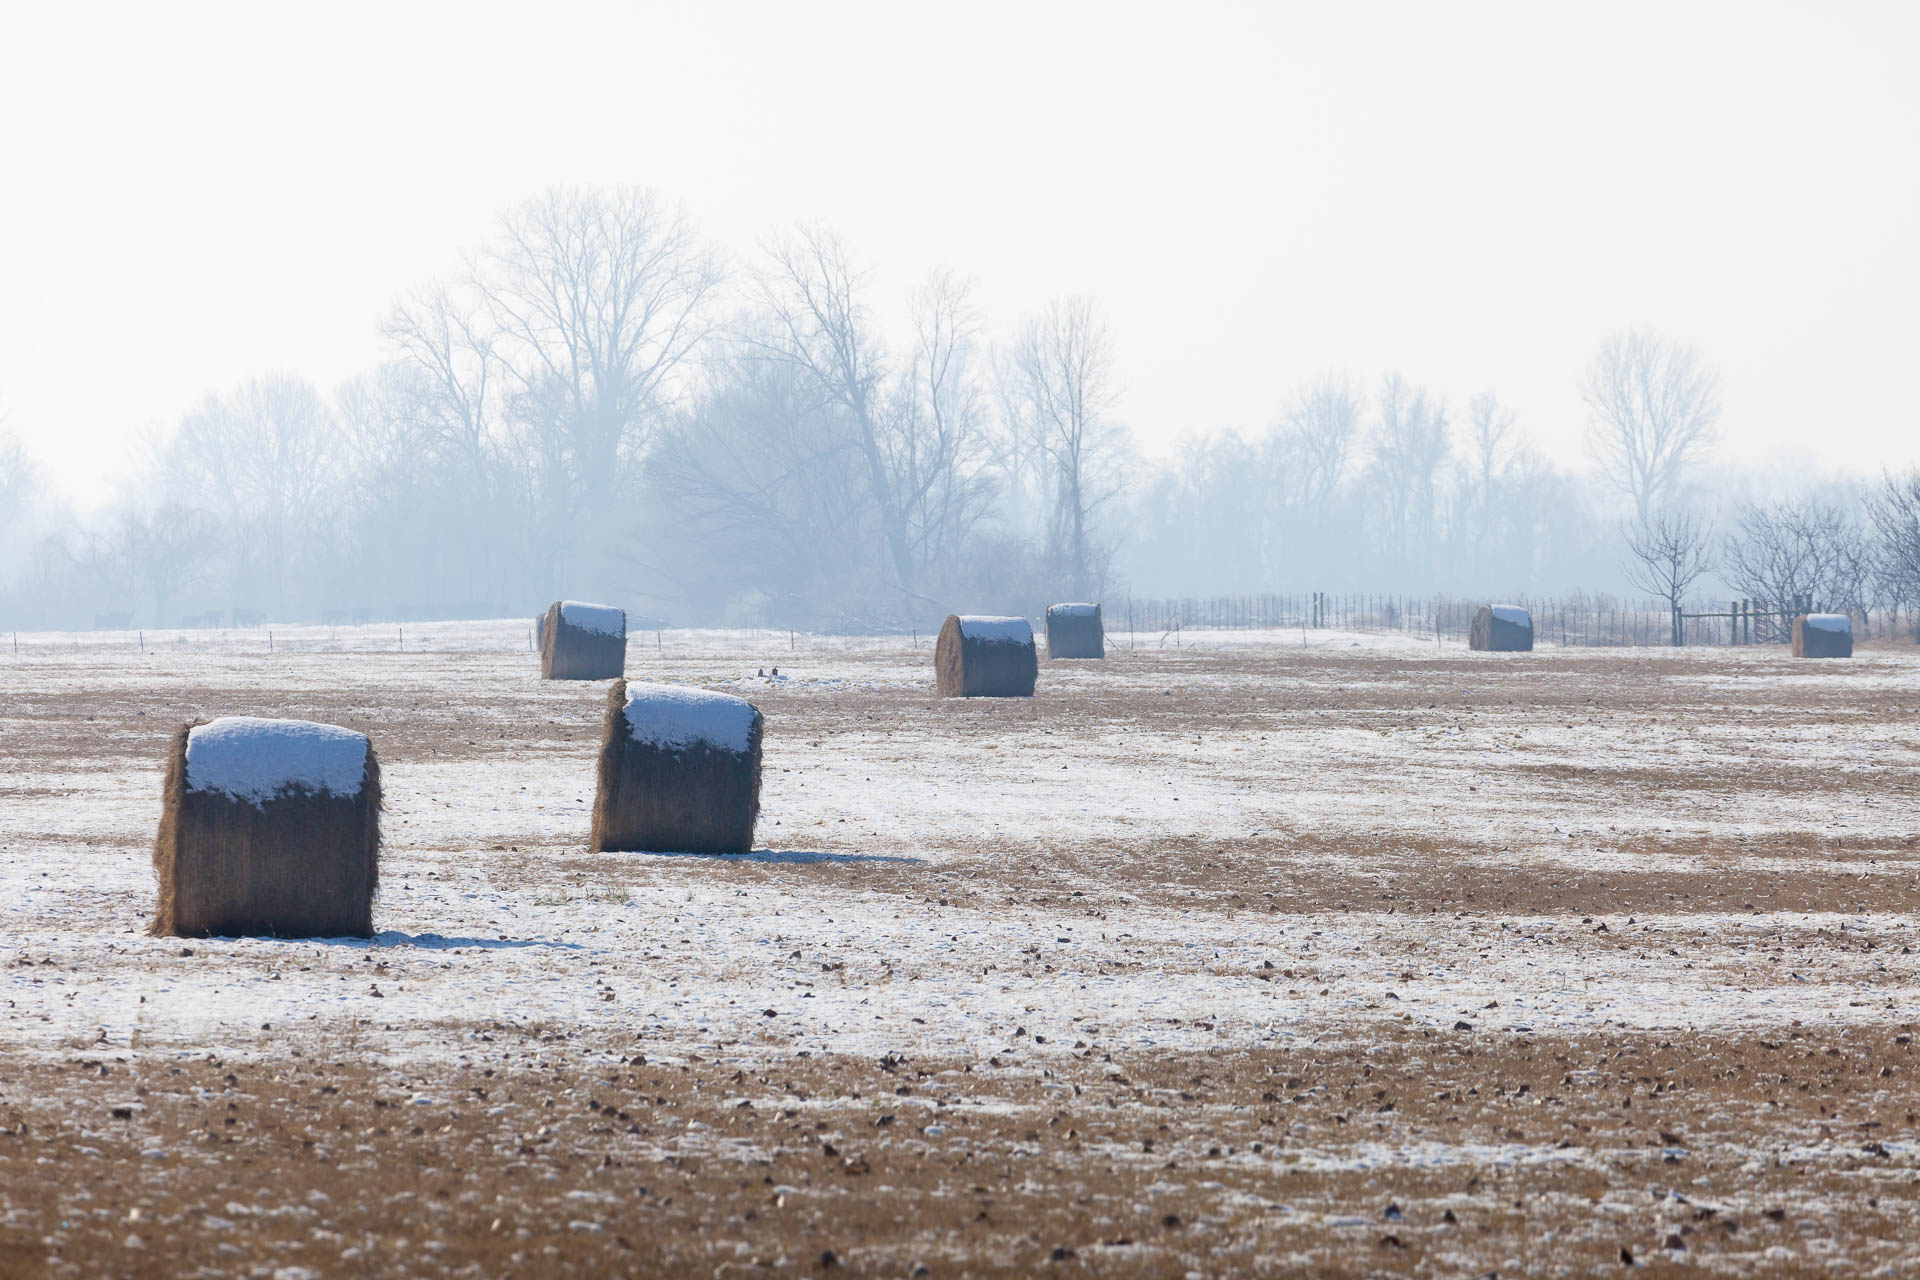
1261,956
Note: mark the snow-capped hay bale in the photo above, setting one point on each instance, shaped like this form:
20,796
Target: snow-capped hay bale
985,657
268,827
583,642
1823,635
1075,631
679,771
1501,628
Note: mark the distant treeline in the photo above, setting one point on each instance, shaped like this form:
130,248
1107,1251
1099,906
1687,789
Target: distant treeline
597,406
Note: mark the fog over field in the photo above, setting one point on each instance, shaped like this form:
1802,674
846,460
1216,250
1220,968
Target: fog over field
1039,637
851,318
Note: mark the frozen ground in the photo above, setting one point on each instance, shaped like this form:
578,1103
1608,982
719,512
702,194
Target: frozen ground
1281,863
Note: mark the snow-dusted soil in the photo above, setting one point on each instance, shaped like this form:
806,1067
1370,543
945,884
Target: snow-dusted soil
1501,940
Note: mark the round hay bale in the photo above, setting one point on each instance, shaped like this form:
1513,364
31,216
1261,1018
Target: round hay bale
679,771
1501,628
583,642
985,657
269,828
1823,635
1075,631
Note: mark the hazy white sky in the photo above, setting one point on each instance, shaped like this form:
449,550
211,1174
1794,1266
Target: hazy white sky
1254,193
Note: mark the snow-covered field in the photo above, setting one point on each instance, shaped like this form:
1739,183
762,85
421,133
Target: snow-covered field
1288,854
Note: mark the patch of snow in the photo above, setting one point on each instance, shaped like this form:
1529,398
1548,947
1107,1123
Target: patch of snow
994,630
1072,610
1514,614
255,759
602,619
861,823
674,715
1837,622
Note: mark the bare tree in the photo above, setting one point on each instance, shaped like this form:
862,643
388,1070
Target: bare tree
1895,511
389,431
1409,447
454,383
164,548
1321,422
762,492
937,434
1671,552
1654,408
811,291
1017,452
595,299
1064,386
1490,439
18,482
919,428
1796,552
264,463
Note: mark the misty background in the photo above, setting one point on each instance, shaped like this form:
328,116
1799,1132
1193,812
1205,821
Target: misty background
852,319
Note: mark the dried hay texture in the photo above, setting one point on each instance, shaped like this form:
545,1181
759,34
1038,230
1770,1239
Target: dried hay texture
968,665
688,798
1075,631
1830,636
1501,629
299,865
568,652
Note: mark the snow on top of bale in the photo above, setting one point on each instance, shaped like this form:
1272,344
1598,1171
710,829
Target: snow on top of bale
676,715
1072,610
993,630
1830,622
254,759
1513,613
601,618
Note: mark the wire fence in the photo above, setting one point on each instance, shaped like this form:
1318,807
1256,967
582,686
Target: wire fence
1578,620
1573,621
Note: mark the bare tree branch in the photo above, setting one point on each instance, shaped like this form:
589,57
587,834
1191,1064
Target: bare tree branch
1654,407
1064,366
1895,511
1671,551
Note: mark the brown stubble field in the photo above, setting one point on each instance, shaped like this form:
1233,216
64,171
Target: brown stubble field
1246,959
